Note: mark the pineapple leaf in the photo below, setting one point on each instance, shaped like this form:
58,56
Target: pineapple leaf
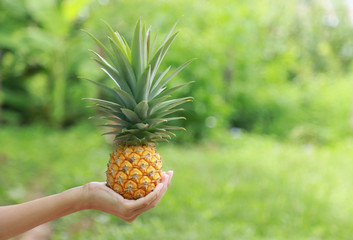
163,132
104,106
149,133
147,85
113,73
116,120
156,121
158,92
160,77
155,139
112,113
104,48
141,109
156,102
169,91
175,118
138,50
139,113
131,115
162,83
111,76
118,40
170,104
132,131
124,65
164,135
152,47
142,126
102,101
143,84
102,61
113,132
145,46
99,43
171,133
172,127
108,90
158,57
118,126
159,132
166,113
128,100
169,33
148,43
128,138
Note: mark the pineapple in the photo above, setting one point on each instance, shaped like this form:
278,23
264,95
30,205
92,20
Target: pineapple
139,115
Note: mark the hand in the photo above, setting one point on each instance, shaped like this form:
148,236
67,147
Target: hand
15,219
100,197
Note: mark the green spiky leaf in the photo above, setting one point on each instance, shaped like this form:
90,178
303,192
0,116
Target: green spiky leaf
131,115
139,112
141,109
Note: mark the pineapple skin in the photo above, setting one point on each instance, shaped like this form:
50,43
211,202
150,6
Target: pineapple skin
134,170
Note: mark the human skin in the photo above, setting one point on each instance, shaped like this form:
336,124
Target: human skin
16,219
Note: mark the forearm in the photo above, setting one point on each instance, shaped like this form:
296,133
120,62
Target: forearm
19,218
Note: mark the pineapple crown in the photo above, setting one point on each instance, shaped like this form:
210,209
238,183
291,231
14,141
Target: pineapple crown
140,111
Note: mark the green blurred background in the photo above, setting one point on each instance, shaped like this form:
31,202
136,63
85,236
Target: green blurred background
268,151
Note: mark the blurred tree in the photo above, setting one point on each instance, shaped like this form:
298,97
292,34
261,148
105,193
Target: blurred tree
42,53
260,62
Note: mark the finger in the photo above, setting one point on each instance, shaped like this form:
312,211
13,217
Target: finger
165,179
145,201
170,173
153,198
137,206
158,195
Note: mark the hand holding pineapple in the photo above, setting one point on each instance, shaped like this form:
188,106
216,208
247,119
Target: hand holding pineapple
16,219
99,197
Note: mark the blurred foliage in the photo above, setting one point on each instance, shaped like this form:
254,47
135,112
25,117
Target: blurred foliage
280,68
272,67
252,187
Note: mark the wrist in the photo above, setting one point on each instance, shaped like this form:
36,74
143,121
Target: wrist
86,197
78,198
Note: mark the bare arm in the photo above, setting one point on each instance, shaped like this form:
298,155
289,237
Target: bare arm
16,219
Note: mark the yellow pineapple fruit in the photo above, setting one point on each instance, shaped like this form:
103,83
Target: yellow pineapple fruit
139,114
134,171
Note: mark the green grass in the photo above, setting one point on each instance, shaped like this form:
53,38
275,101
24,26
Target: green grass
252,187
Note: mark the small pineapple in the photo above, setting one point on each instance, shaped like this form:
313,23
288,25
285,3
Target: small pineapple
139,115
